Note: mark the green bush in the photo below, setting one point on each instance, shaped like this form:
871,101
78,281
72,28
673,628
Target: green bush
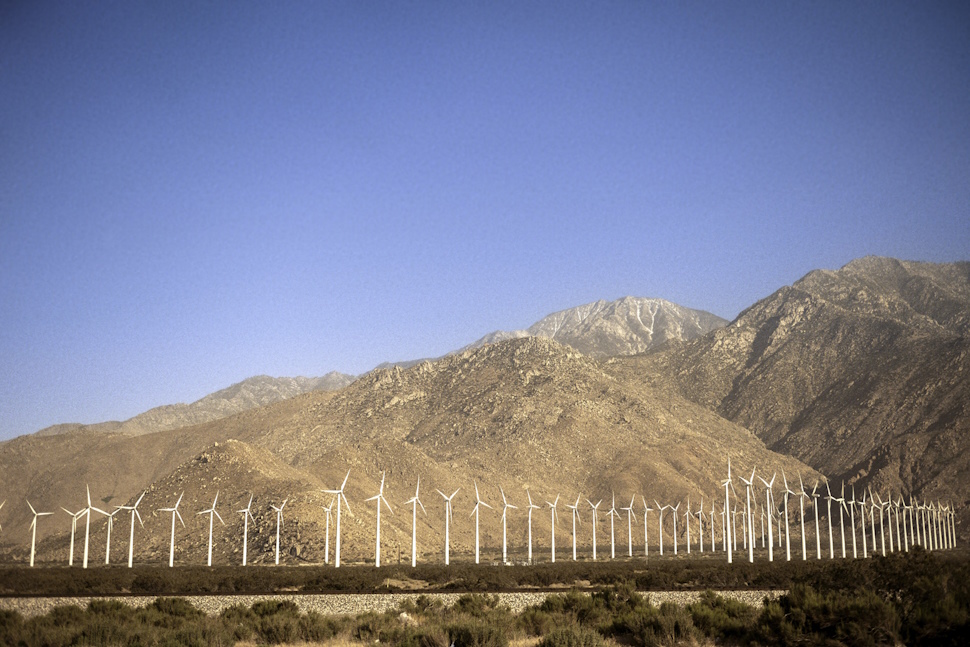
474,633
722,618
572,637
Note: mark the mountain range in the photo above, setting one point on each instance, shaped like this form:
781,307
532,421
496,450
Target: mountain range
857,374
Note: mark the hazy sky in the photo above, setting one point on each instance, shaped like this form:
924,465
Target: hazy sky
193,193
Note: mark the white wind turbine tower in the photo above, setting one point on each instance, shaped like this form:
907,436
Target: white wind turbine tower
553,514
379,497
629,525
788,493
33,529
212,512
279,526
818,534
107,543
660,524
646,541
842,506
505,513
728,546
674,510
862,514
340,497
575,508
612,513
326,546
749,521
802,495
713,523
872,520
532,507
448,516
882,525
769,508
74,517
700,526
687,523
828,499
131,538
414,502
595,510
901,506
852,502
87,524
475,512
175,513
247,515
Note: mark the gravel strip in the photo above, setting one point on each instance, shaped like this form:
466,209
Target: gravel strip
352,604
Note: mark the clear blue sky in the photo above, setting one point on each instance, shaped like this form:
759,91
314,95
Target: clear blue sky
193,193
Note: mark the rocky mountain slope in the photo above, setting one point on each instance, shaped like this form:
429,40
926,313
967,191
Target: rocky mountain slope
253,392
528,414
628,326
863,373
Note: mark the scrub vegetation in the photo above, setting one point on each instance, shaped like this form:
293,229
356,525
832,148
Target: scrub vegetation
915,599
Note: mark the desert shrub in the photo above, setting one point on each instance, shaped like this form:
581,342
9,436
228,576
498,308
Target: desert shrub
534,621
477,605
315,627
475,633
648,625
240,621
264,608
371,627
425,636
805,615
572,637
422,605
722,618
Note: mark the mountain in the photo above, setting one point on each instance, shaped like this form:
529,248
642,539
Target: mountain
526,414
863,373
627,326
253,392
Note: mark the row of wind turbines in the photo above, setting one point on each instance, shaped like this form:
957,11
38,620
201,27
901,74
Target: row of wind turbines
930,525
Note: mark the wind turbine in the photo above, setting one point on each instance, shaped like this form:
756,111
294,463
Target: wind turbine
414,502
748,519
33,530
612,513
247,515
872,520
279,526
818,534
340,497
646,540
448,515
553,514
175,513
107,543
379,497
687,523
475,513
131,538
842,506
532,507
629,525
801,506
74,517
901,506
769,508
727,526
828,499
788,492
882,525
87,525
326,549
674,511
505,510
862,515
852,502
595,510
700,527
212,512
575,508
660,524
